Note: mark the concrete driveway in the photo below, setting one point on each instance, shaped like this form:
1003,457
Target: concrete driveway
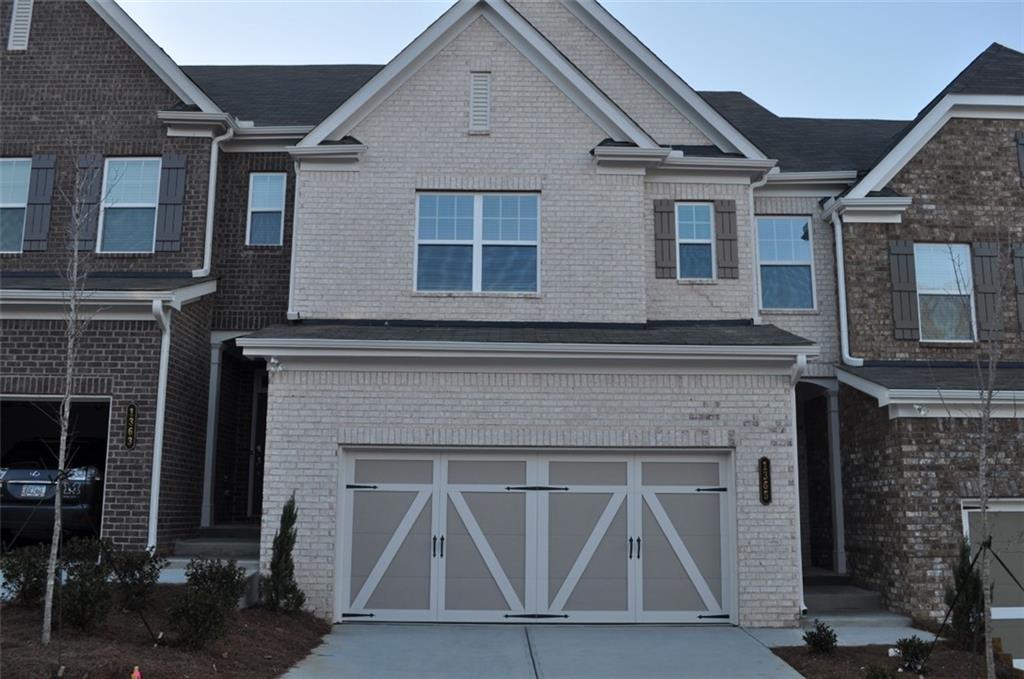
424,651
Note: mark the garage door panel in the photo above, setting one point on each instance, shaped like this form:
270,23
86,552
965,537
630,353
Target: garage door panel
394,471
571,520
376,517
406,581
677,473
604,583
590,473
486,471
470,583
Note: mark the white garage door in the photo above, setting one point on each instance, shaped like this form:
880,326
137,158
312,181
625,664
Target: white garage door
524,537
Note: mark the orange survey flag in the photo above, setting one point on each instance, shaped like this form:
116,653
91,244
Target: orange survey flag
136,674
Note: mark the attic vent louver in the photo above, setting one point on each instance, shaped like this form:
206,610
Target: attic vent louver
21,20
479,101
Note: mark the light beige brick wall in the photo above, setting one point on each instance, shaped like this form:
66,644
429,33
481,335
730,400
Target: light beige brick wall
312,412
820,325
614,76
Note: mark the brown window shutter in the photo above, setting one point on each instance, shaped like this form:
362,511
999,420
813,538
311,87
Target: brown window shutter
904,290
985,265
726,239
1018,275
171,211
89,186
665,253
1020,156
40,199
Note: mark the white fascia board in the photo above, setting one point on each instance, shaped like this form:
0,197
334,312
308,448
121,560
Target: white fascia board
870,210
754,169
663,79
1008,107
931,398
176,298
152,55
534,46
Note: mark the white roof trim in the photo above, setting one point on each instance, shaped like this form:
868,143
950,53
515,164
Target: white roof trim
150,52
950,106
174,298
534,46
641,59
870,210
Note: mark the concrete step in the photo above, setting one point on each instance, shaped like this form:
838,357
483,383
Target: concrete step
174,574
840,598
250,531
815,579
848,618
218,547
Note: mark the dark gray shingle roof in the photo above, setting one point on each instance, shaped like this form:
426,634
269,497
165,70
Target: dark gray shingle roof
18,280
281,95
726,333
922,375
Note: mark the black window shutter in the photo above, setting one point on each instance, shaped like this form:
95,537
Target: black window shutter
86,212
726,239
40,199
171,211
904,290
665,239
985,265
1018,275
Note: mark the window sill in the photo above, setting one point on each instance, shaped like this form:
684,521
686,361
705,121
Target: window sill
269,249
498,295
478,133
696,281
790,312
120,255
951,344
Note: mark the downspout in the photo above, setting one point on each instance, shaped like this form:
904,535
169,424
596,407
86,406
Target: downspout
211,199
756,278
796,372
163,319
844,326
292,315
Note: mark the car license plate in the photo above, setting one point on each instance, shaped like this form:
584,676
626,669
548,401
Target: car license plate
33,490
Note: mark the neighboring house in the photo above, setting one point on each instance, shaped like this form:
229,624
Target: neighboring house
532,329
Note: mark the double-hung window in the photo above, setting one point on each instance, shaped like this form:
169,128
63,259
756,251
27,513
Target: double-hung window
129,198
785,254
265,224
477,242
14,177
945,292
695,240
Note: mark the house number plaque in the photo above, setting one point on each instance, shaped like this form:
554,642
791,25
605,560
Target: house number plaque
764,473
130,419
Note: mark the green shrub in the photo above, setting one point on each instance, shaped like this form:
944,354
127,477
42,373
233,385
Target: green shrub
24,572
136,574
876,672
86,596
279,590
913,652
968,620
204,610
821,639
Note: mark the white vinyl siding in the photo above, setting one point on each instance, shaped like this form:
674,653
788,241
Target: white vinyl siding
945,292
785,252
265,222
128,205
14,179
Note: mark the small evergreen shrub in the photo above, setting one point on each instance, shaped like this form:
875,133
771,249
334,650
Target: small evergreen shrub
87,593
822,639
279,590
24,572
203,612
913,652
967,622
876,672
136,574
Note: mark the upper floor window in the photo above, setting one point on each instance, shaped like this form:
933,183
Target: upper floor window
14,178
128,205
945,292
786,260
265,224
695,240
477,242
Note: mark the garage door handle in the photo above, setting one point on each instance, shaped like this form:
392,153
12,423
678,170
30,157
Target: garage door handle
631,548
360,486
718,489
433,549
638,548
442,546
536,488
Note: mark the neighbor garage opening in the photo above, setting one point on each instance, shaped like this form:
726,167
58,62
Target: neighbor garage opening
29,447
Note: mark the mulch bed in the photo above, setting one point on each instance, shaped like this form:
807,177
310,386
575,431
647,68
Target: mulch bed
852,662
259,645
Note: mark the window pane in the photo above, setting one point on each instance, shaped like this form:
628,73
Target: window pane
267,192
492,229
128,229
14,181
510,218
784,239
265,228
444,267
12,228
943,268
786,287
694,260
510,268
945,317
133,181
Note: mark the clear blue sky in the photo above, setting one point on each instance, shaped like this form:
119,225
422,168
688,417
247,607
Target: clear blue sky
863,59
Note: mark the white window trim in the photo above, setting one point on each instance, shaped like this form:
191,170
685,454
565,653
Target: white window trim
700,241
478,242
250,210
104,194
762,263
24,206
969,280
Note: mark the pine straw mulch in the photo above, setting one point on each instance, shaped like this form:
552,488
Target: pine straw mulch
852,662
259,645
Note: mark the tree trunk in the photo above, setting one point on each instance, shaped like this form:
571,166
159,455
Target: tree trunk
986,560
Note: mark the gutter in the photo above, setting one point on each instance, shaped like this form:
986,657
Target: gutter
211,199
756,287
163,319
844,324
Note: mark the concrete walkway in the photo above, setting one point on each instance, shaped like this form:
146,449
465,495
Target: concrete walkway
854,628
427,651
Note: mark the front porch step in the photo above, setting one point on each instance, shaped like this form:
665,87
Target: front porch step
826,578
218,547
836,598
174,574
847,618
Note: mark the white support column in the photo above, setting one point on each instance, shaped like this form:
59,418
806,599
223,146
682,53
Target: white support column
836,467
212,409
